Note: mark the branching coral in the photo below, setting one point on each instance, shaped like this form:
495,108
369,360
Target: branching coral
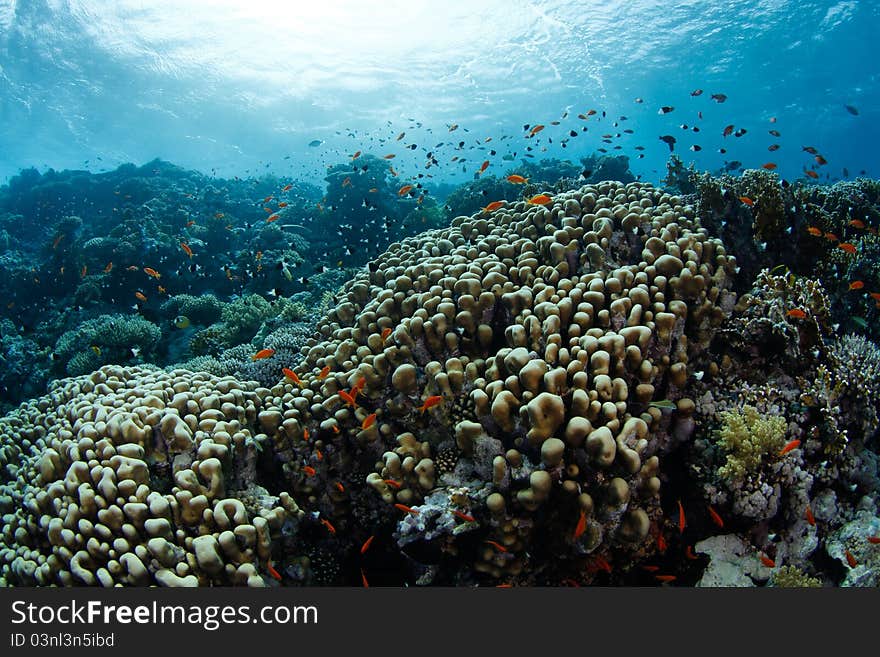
750,441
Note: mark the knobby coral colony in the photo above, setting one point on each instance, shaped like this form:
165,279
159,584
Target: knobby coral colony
512,400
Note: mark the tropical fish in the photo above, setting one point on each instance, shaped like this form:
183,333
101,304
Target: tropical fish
406,509
516,179
663,403
181,321
681,518
820,160
96,349
728,130
390,156
796,313
273,217
856,285
367,543
309,470
849,248
356,155
539,199
328,525
463,516
494,205
852,110
290,374
287,187
670,141
790,445
816,232
696,92
666,109
850,559
665,578
272,572
689,553
535,130
767,561
769,166
385,333
483,166
812,174
347,181
831,237
188,251
496,545
369,421
581,526
347,398
716,518
719,98
324,372
140,296
857,223
263,353
773,147
364,579
430,402
403,190
874,540
748,201
808,516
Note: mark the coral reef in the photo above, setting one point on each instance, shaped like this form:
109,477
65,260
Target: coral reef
106,339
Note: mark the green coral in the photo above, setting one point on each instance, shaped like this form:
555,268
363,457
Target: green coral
794,578
204,309
243,317
749,438
105,339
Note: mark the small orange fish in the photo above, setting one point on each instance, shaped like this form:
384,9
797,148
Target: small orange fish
535,130
812,174
149,271
430,402
796,313
366,545
874,540
808,515
767,561
494,205
369,421
268,198
463,516
849,248
356,155
306,435
358,386
406,509
496,545
820,160
385,333
665,578
161,289
716,518
650,568
188,251
728,130
857,223
373,190
769,166
681,519
581,525
850,559
516,179
601,563
390,156
272,572
287,187
747,200
319,455
392,483
403,190
347,398
191,222
290,374
309,470
272,217
540,199
483,166
109,267
815,232
329,526
856,285
140,296
661,543
364,579
324,372
790,445
219,215
283,204
347,181
831,237
874,295
689,553
263,353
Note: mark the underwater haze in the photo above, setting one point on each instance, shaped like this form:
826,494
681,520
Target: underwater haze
235,88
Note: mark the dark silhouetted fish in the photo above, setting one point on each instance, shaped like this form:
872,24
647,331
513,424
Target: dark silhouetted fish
670,141
852,110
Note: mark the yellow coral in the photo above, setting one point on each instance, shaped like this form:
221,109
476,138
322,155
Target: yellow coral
748,437
791,577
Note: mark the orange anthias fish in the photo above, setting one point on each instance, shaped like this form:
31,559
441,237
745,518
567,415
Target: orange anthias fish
849,248
347,181
272,572
484,166
494,205
430,402
796,313
273,217
356,155
406,509
874,540
496,545
716,518
348,398
769,166
790,445
808,516
290,374
390,156
689,553
149,271
540,199
661,543
324,372
283,204
263,353
857,223
328,525
463,516
747,200
385,333
767,561
850,559
665,578
581,526
109,267
366,545
287,187
831,237
364,579
309,470
815,232
535,130
812,174
681,518
140,296
369,421
856,285
403,190
516,179
188,251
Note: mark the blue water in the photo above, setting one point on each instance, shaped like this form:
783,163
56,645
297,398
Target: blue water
242,88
